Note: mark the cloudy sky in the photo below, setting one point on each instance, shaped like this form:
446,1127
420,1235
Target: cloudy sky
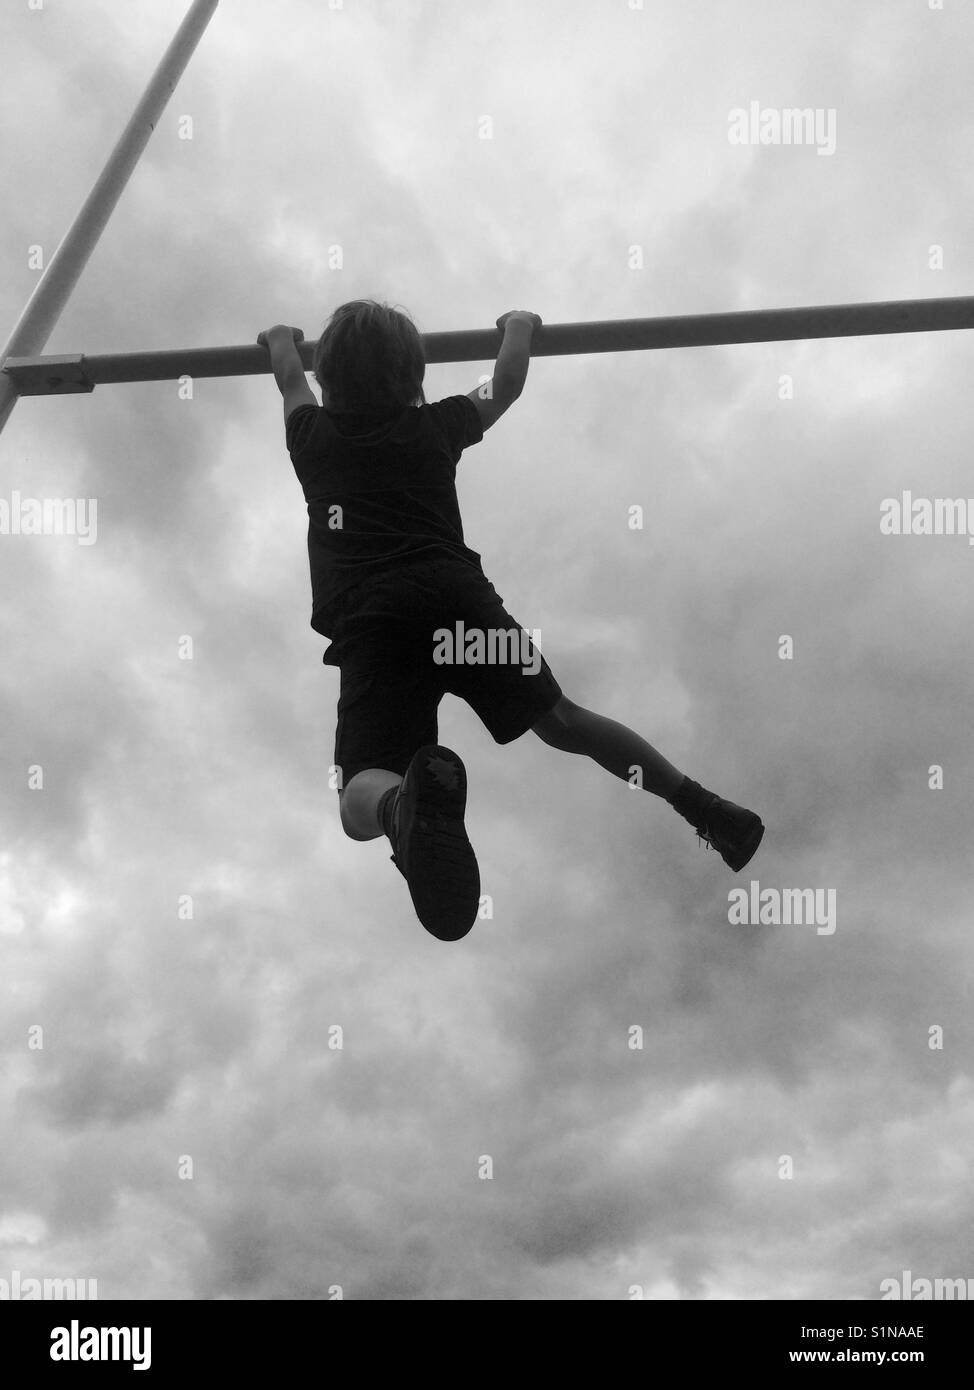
616,1169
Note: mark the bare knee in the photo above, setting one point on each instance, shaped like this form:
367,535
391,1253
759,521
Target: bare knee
348,824
358,799
351,815
557,727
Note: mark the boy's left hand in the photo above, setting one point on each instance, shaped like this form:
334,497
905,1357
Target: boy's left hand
263,338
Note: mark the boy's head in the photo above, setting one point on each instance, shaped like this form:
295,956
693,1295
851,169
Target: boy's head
369,359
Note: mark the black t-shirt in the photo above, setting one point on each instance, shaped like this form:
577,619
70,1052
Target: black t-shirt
379,491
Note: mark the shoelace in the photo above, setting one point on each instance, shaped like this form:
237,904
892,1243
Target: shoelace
706,835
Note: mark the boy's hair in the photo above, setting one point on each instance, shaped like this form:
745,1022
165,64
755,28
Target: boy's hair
370,359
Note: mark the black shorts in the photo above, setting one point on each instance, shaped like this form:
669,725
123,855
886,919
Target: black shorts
389,632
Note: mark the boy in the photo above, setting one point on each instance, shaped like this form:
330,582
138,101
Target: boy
391,576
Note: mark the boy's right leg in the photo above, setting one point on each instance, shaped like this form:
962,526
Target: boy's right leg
730,829
612,745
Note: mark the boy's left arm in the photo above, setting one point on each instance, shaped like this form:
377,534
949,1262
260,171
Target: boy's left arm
281,342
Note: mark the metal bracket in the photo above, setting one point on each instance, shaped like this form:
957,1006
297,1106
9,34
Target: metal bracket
54,376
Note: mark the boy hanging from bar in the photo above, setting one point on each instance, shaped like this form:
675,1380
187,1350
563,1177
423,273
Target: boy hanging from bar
391,576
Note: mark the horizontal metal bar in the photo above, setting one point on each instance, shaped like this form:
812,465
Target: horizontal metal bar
38,376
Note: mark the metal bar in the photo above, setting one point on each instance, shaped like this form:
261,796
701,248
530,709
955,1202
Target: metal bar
55,285
57,375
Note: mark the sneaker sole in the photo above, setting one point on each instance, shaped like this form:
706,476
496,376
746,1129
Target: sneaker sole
438,860
748,850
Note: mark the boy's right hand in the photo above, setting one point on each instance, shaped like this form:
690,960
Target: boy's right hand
519,316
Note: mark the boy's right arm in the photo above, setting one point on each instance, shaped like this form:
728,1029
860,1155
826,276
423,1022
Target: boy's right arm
510,370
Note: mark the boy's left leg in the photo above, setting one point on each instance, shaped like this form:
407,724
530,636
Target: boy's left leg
422,814
359,802
386,710
400,782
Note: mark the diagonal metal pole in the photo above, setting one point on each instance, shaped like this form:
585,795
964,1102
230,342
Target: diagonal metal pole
55,285
44,376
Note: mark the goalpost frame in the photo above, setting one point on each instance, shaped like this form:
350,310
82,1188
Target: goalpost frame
24,372
52,291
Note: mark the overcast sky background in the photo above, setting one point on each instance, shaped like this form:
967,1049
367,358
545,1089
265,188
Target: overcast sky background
612,1166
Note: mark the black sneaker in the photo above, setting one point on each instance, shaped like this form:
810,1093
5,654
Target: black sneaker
430,844
731,830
